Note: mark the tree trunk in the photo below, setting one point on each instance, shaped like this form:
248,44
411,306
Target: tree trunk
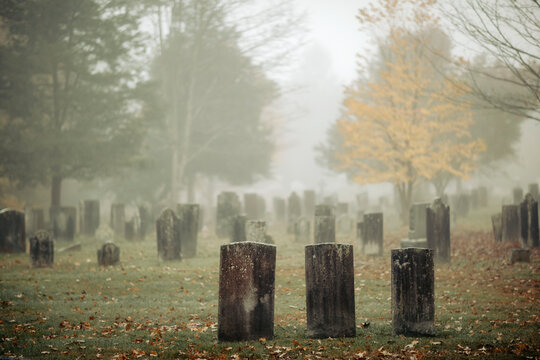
56,190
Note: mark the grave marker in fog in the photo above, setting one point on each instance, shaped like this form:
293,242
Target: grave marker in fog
256,231
108,255
324,227
528,214
372,234
438,230
228,206
168,235
188,216
310,200
41,249
90,217
510,225
118,219
238,233
496,223
12,231
294,211
63,220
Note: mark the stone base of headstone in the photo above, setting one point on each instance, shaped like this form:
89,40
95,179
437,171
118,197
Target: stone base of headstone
246,291
41,249
238,228
413,292
413,243
520,255
109,254
496,224
330,290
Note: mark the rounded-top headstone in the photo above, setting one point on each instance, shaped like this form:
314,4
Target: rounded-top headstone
41,249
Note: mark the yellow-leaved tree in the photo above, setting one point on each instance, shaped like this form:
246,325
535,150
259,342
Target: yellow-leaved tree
409,120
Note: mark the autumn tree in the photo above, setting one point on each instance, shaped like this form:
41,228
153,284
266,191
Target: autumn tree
406,123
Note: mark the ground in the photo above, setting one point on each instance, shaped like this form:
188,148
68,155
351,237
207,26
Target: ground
146,308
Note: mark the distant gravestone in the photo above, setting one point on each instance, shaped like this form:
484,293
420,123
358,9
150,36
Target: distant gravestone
108,255
228,206
246,291
462,205
12,231
168,235
517,194
372,237
256,231
438,230
520,255
310,199
250,206
279,209
496,223
528,214
510,224
37,221
345,224
413,292
342,208
359,231
63,220
533,190
324,228
90,217
118,219
129,230
417,221
330,291
41,249
145,215
261,207
362,200
188,215
294,211
302,230
238,233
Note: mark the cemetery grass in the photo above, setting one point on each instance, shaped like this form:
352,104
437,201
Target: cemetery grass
145,308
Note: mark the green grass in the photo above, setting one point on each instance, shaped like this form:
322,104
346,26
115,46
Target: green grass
147,308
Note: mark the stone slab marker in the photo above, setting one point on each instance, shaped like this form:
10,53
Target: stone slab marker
146,220
246,291
256,231
330,290
90,217
510,223
496,223
63,222
417,221
413,292
533,190
324,225
302,230
373,234
517,194
238,233
168,235
228,206
12,231
41,249
188,215
310,199
438,230
528,214
294,211
118,219
108,255
520,255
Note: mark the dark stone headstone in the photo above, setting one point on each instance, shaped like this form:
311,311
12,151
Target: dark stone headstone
520,255
250,206
510,223
294,211
118,219
228,206
496,223
533,190
529,221
246,291
324,226
330,291
12,231
256,231
168,235
145,214
90,217
373,234
188,215
517,194
417,221
108,255
238,233
438,230
279,209
413,292
41,249
302,230
310,199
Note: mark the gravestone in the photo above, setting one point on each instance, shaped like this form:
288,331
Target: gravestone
362,200
324,227
302,230
41,249
246,291
520,255
188,215
108,255
12,231
294,211
251,206
345,224
417,221
342,208
63,220
129,230
413,292
330,291
90,215
310,199
168,235
238,233
517,194
360,231
528,215
37,221
438,230
496,223
510,224
372,236
533,190
256,231
279,209
228,206
482,196
145,215
118,219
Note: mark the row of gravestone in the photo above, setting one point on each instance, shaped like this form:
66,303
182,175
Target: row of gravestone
247,283
518,223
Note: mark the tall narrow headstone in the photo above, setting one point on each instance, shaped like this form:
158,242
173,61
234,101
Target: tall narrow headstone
188,215
246,291
324,227
330,291
517,194
294,211
228,206
108,255
118,219
438,230
91,217
250,206
145,215
256,231
12,231
373,235
41,249
302,230
533,190
279,209
510,223
496,223
168,235
238,233
417,221
345,224
529,221
413,292
310,199
63,221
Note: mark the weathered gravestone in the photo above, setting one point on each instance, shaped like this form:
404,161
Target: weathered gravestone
438,230
12,231
294,211
520,255
246,291
168,235
251,207
279,209
417,221
413,292
510,223
372,236
90,217
108,255
310,199
302,230
118,219
345,224
63,220
145,214
238,233
528,214
228,206
533,190
256,231
188,215
129,230
517,194
330,291
496,223
324,226
41,249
